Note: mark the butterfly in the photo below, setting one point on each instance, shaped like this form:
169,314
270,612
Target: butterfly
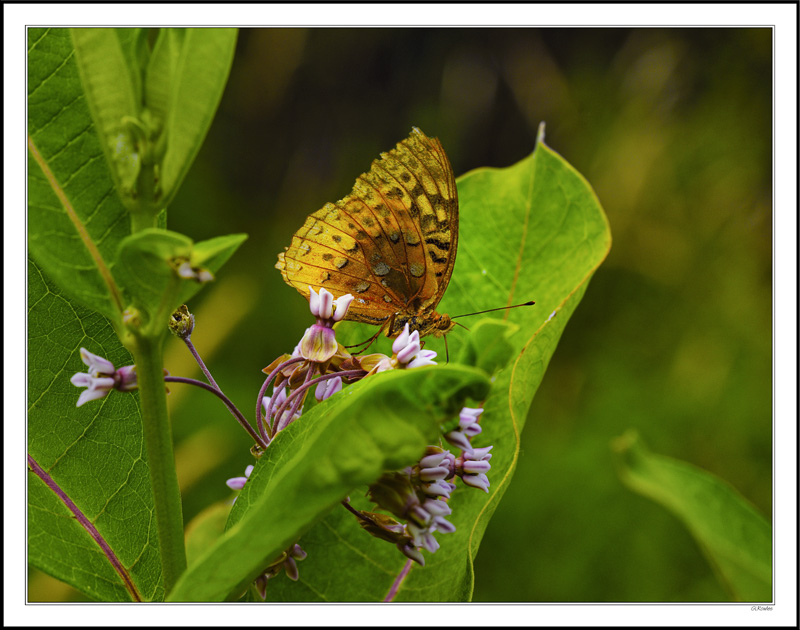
391,242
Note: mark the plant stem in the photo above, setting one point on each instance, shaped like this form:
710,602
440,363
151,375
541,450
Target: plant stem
148,357
266,432
398,581
188,341
145,210
219,394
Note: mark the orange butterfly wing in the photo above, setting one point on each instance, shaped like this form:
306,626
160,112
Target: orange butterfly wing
391,242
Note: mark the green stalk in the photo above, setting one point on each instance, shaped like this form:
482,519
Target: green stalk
148,357
144,211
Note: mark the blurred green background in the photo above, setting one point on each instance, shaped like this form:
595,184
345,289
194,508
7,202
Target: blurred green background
672,128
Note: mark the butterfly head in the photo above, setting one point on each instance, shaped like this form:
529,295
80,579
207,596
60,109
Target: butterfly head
432,323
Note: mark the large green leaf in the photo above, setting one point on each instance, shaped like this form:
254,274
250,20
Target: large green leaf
381,423
196,71
112,87
94,453
74,247
533,231
735,537
205,529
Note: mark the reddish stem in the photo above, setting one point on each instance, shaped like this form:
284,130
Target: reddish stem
398,582
88,526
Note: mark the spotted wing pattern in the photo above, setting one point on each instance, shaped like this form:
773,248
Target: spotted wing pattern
391,242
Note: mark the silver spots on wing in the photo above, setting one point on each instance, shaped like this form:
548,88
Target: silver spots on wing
416,269
380,269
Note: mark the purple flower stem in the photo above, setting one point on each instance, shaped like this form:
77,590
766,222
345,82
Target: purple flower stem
202,365
266,432
295,399
300,391
88,526
231,407
396,586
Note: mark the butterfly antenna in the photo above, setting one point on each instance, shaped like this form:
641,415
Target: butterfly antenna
501,308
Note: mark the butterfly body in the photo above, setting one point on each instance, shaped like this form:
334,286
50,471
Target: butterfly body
391,242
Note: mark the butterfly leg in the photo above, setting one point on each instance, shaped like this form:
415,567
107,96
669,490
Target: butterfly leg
389,326
368,342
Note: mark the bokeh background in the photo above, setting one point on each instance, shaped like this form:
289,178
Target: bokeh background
672,128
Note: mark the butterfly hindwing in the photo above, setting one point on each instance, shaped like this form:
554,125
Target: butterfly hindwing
391,242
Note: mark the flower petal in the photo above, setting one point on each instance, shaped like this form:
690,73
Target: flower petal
401,341
236,483
342,305
457,438
318,344
90,394
423,358
290,566
313,301
432,460
298,552
477,481
81,379
127,380
97,364
325,304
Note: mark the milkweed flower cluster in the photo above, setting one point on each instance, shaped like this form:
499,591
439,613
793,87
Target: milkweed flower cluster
416,497
102,377
319,361
288,558
286,561
418,494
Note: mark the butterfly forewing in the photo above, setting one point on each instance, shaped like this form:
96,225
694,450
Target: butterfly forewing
391,242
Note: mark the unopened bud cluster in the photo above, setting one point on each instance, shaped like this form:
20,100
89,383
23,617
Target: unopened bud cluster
418,495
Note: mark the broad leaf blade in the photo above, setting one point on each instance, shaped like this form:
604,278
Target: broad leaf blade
160,72
205,529
95,453
533,231
61,128
197,84
381,423
56,540
736,538
112,87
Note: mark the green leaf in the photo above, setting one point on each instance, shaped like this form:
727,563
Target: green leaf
113,92
75,218
160,71
381,423
134,46
214,252
488,347
147,274
196,82
533,231
205,529
146,268
735,537
94,453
